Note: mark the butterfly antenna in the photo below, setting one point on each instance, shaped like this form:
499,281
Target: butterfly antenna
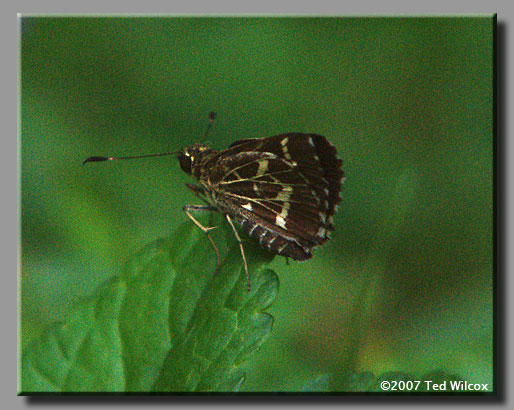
97,159
212,117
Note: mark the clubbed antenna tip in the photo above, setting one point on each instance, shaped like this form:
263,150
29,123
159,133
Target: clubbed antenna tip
212,116
95,159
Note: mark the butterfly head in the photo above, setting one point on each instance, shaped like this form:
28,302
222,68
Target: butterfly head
191,156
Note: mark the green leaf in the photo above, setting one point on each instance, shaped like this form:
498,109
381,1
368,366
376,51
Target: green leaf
168,323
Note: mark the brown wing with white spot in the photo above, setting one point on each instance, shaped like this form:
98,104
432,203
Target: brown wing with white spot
313,156
284,200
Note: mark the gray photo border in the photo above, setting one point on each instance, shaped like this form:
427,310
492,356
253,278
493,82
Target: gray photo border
11,189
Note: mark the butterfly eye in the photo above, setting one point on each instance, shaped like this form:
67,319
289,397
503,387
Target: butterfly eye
185,162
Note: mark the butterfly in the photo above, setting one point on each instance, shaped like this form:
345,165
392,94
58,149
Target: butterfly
282,190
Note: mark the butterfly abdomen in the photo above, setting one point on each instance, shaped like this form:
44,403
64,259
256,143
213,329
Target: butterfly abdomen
273,242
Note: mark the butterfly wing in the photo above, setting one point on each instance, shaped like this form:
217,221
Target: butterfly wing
313,156
282,199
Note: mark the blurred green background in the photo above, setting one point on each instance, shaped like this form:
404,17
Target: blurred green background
408,102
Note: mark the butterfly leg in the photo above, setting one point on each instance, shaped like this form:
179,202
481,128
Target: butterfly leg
242,251
206,230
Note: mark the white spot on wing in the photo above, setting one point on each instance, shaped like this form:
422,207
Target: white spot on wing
321,232
311,143
316,197
263,167
284,148
247,206
280,221
284,195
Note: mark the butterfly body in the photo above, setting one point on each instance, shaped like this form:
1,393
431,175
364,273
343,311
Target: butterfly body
282,190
